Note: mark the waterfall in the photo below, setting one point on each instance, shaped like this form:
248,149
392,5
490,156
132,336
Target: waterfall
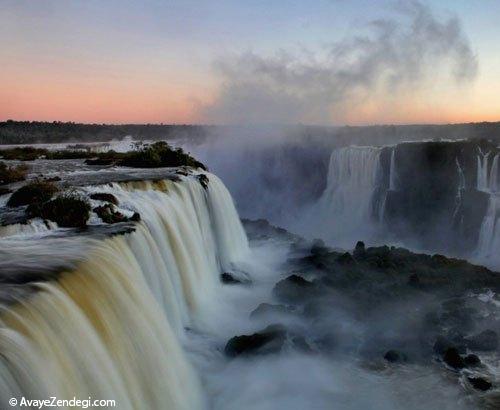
482,170
346,206
460,188
392,171
489,235
493,181
112,327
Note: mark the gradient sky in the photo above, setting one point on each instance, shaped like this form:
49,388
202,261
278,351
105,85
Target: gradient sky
153,60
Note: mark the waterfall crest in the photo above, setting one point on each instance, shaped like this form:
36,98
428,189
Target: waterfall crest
112,327
346,207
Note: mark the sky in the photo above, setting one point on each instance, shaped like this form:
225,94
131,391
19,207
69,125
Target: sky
250,61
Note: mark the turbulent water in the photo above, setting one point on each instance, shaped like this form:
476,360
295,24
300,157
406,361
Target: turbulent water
139,314
112,327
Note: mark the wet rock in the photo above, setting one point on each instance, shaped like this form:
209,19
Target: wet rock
203,179
108,214
104,196
68,211
229,279
100,161
480,383
453,359
395,356
268,340
359,250
136,217
34,192
265,309
484,341
293,289
318,247
345,259
472,360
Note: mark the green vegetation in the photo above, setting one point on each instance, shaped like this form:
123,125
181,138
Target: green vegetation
32,132
67,210
159,154
12,174
156,155
35,192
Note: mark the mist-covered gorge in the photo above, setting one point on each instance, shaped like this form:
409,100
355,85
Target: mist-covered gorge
164,299
435,196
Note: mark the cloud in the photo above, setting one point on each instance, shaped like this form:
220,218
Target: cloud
391,58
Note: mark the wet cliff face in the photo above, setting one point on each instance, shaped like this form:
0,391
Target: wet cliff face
434,201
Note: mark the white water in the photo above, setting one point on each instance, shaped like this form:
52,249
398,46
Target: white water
482,170
392,172
488,248
345,211
112,328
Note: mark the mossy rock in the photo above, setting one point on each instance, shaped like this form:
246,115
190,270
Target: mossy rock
105,197
34,192
12,174
68,211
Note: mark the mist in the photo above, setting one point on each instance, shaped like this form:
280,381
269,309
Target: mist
381,65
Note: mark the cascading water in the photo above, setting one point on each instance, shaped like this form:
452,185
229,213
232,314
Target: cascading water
489,235
346,207
112,327
392,171
482,170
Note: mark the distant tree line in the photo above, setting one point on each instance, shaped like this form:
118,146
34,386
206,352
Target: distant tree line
31,132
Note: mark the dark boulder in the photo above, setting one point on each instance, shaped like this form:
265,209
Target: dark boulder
479,383
472,360
453,359
100,161
203,179
395,356
345,259
268,340
293,289
136,217
109,215
68,211
105,197
34,192
318,247
443,343
230,279
359,250
484,341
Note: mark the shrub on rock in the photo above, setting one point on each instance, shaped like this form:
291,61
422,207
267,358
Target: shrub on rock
268,340
34,192
12,174
294,289
108,214
105,197
68,211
